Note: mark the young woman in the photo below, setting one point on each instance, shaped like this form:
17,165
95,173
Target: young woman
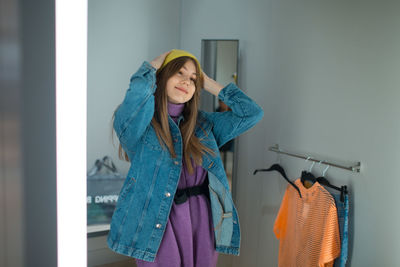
175,207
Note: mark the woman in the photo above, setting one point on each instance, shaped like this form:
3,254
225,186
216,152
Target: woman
175,207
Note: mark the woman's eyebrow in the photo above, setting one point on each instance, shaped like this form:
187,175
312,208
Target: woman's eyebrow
187,70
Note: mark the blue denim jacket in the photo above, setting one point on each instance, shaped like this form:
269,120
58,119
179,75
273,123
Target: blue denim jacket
146,197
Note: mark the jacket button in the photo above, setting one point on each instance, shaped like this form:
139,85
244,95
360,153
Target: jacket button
176,162
176,140
158,225
168,194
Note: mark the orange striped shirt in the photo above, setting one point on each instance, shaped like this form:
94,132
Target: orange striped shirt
307,227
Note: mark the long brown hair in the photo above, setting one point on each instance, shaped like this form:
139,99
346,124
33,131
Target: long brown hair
192,146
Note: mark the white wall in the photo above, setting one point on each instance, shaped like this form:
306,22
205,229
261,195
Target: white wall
246,21
121,35
343,61
326,74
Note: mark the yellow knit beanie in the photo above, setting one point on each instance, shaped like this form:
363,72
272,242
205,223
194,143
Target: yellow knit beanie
175,53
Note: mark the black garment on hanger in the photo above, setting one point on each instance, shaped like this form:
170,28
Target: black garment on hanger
278,168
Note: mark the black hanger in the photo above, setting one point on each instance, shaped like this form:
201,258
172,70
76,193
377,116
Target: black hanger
343,189
307,176
278,168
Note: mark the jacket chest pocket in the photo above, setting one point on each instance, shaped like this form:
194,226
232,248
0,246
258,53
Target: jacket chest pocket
150,139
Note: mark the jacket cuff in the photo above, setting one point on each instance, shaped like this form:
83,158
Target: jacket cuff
227,91
147,71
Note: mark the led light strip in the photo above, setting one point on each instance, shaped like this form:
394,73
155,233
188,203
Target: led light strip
71,94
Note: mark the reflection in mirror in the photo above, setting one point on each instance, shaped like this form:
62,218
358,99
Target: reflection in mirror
105,180
220,62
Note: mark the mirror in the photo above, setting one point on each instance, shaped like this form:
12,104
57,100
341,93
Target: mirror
219,60
304,61
106,174
118,42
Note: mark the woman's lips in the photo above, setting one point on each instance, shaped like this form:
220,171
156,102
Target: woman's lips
181,89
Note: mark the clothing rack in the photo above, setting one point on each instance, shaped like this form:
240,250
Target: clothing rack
354,167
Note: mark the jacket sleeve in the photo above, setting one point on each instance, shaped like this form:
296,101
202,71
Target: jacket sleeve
244,115
137,109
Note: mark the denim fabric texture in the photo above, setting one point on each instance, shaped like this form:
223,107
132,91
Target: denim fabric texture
146,197
343,218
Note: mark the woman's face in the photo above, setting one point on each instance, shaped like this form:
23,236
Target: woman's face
181,86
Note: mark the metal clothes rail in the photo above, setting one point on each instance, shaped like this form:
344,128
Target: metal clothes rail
354,167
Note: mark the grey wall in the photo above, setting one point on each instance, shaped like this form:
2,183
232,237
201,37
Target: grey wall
326,74
121,35
343,59
39,132
233,20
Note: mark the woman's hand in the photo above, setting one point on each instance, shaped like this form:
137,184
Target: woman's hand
211,86
158,61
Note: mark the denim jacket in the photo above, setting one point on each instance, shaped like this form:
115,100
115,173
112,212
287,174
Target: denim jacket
146,197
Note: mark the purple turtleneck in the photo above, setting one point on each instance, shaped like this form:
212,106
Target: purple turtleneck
175,110
189,236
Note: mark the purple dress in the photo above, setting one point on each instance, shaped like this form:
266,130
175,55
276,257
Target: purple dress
188,240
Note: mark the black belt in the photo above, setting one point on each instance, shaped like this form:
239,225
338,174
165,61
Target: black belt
182,195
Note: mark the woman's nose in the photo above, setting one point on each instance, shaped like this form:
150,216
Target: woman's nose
186,80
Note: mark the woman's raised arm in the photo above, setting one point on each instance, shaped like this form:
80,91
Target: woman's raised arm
244,115
137,109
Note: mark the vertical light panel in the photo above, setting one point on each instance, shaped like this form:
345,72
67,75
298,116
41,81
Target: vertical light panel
71,90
